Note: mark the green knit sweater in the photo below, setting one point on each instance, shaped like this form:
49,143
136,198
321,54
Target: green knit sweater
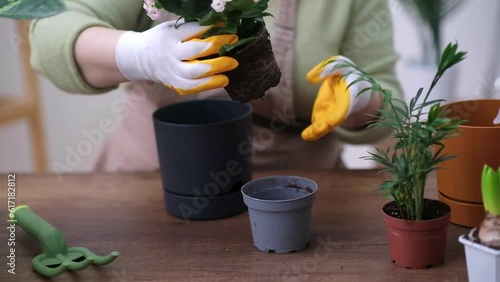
358,29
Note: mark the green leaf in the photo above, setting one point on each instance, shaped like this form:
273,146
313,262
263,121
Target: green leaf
31,9
449,58
433,113
233,28
490,187
358,80
425,104
442,159
413,101
266,14
217,30
257,10
387,187
189,9
233,17
209,19
240,44
387,97
239,5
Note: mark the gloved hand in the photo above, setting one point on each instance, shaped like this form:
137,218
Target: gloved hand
335,101
174,56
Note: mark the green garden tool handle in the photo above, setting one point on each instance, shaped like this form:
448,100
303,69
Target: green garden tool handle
56,257
41,230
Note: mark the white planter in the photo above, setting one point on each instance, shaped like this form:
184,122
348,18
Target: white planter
483,263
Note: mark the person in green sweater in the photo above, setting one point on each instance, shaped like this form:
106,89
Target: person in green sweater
96,46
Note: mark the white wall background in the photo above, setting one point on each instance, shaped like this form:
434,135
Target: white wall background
66,116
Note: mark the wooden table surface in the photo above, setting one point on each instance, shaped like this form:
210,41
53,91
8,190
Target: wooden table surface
125,212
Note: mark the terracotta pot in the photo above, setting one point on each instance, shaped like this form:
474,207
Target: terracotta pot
417,244
257,71
476,144
464,214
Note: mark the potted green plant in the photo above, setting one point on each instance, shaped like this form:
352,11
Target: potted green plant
459,184
253,50
32,9
416,226
482,247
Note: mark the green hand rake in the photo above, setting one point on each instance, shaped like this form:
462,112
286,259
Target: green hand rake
56,256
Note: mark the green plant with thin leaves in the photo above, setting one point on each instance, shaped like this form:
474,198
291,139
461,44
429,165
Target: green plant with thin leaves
418,134
489,231
30,9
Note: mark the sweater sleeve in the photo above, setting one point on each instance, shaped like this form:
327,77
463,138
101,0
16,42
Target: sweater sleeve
52,39
368,42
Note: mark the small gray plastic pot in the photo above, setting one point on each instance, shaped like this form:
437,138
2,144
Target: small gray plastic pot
280,208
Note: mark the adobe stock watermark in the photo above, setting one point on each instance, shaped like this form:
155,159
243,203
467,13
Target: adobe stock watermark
363,36
302,272
219,182
18,38
11,222
465,108
456,279
121,107
264,136
21,35
261,139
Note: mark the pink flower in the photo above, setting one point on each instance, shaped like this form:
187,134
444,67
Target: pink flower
150,2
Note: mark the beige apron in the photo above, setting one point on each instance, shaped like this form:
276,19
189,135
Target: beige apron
277,142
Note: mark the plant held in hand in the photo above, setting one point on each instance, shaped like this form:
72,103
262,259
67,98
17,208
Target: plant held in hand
489,231
418,135
258,70
240,17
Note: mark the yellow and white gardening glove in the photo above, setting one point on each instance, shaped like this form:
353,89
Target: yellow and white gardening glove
335,100
175,56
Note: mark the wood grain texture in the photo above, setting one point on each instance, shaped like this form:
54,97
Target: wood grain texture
125,212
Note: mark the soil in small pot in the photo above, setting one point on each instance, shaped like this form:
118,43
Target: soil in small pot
432,209
257,71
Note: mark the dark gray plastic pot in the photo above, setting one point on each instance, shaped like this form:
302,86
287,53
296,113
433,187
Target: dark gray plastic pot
204,150
280,212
